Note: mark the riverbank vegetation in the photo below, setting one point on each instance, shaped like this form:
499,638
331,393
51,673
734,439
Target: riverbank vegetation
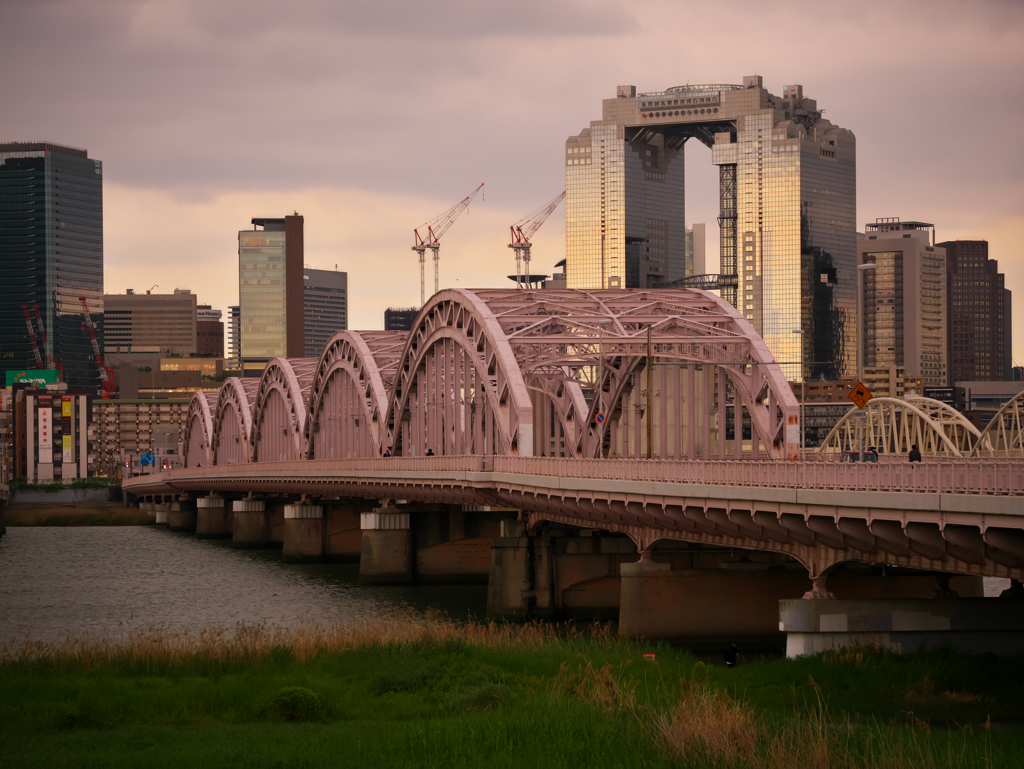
76,514
409,692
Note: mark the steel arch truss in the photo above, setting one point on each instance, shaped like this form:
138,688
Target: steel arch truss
198,439
711,370
895,425
232,421
279,412
1004,434
458,388
349,396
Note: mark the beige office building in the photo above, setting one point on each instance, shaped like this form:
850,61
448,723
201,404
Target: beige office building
787,201
902,321
157,323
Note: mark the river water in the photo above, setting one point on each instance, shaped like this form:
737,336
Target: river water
61,580
56,581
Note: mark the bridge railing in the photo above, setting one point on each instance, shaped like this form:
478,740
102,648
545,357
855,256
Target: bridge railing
996,477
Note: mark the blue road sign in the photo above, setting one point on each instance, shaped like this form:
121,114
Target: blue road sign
147,458
599,418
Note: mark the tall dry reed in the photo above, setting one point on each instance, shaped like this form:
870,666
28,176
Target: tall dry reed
304,641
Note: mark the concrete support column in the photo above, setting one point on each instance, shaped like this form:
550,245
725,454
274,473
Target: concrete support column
521,577
212,518
975,625
452,544
181,516
343,540
387,556
714,605
303,534
250,524
161,511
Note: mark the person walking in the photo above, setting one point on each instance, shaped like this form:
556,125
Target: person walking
915,454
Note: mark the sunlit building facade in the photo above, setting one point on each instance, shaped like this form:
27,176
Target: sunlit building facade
902,322
270,292
787,221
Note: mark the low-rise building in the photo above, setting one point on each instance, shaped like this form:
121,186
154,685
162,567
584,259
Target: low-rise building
123,430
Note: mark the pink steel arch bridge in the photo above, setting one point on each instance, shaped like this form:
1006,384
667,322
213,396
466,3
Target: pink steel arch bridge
552,401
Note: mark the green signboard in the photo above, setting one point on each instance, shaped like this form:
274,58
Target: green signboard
41,378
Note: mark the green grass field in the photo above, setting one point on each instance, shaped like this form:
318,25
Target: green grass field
499,697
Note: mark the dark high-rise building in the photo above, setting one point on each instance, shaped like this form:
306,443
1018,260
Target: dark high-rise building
979,315
51,253
326,307
270,294
209,332
400,318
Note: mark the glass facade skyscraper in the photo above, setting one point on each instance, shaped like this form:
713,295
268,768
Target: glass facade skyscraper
51,254
787,220
270,292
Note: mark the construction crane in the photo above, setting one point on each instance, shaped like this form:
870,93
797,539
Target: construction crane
524,230
106,374
435,228
51,361
32,337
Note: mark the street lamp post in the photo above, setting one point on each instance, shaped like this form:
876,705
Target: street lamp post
803,430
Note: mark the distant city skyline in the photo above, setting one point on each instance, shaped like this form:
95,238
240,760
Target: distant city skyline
173,99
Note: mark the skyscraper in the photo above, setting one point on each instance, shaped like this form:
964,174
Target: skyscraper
787,199
326,307
980,333
51,253
902,322
270,294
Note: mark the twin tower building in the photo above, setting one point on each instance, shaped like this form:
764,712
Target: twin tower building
787,210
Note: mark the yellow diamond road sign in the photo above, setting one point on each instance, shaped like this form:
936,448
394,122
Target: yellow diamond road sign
860,395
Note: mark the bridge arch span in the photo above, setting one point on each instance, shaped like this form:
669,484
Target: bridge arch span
895,425
572,344
348,398
232,421
1003,436
279,410
198,438
458,388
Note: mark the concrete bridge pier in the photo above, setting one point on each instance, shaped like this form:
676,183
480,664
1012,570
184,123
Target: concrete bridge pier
181,516
453,542
343,538
303,534
977,625
161,509
521,575
212,518
387,556
250,524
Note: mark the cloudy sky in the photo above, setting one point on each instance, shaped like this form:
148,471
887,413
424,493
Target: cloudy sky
371,118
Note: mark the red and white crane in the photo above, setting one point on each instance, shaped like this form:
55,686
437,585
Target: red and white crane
106,374
525,229
32,337
434,229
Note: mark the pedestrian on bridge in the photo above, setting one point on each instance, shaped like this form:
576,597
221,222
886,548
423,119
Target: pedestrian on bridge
915,454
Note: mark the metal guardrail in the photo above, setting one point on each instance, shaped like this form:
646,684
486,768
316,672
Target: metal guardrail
954,476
